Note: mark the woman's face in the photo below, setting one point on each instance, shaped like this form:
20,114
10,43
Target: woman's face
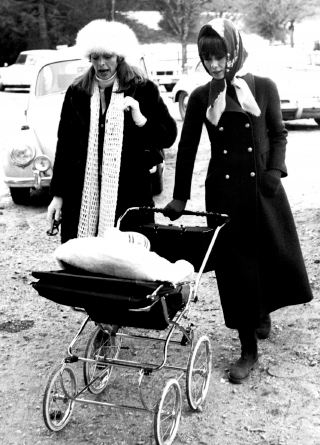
216,66
105,65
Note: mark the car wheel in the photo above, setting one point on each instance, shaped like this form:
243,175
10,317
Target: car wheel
169,87
20,195
318,121
183,101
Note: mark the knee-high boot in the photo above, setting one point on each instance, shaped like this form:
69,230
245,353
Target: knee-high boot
240,370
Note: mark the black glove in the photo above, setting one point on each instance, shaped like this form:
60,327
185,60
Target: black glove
174,209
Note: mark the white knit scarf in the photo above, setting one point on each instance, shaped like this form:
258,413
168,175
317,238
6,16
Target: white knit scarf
98,209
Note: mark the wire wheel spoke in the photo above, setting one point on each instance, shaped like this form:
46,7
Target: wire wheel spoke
58,398
168,413
199,372
101,346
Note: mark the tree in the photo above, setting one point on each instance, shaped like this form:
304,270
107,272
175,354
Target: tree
179,17
183,18
274,19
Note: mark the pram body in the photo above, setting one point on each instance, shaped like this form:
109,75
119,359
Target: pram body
113,304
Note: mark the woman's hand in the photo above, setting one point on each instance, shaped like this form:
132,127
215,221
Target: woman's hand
174,209
55,209
275,173
129,103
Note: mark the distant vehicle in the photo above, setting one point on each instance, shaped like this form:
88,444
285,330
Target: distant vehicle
299,89
187,83
29,156
165,73
19,75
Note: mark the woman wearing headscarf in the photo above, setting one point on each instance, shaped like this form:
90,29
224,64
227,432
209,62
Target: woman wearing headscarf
258,261
113,127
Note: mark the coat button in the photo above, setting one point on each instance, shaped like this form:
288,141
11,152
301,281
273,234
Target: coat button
252,174
247,125
225,152
250,149
227,176
221,128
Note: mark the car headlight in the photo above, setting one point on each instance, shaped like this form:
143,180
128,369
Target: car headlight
42,163
22,156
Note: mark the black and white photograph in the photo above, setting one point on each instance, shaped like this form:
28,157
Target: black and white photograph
160,222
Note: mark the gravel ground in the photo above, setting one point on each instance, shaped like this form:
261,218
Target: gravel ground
279,404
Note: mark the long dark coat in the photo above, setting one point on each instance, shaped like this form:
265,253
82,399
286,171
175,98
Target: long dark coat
259,265
139,143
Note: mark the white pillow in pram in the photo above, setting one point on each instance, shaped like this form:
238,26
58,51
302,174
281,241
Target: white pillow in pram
115,256
114,235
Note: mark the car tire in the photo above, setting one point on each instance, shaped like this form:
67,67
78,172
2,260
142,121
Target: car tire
20,195
318,121
183,101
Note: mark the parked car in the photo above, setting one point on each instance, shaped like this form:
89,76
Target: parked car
299,89
165,73
187,83
20,74
28,160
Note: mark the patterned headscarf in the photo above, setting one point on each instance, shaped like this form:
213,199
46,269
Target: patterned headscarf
236,56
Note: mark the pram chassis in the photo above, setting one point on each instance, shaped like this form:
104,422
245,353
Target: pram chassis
61,391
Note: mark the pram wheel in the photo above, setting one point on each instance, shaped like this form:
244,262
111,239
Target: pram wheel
168,413
101,345
198,373
57,400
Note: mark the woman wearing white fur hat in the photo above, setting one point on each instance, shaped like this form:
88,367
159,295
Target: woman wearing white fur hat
113,122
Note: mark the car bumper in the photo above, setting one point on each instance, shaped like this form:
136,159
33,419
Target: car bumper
165,80
15,85
292,111
37,181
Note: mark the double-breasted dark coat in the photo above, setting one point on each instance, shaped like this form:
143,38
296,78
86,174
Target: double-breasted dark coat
258,260
139,145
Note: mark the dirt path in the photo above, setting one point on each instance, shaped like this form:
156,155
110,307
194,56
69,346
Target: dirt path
280,404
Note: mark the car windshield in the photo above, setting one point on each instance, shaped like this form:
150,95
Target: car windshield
56,77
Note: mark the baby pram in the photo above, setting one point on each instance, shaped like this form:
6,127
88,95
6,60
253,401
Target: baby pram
114,304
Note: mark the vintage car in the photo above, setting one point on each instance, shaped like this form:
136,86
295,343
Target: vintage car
299,89
20,74
164,73
28,160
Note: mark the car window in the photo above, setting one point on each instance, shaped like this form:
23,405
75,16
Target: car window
56,77
142,66
200,68
21,60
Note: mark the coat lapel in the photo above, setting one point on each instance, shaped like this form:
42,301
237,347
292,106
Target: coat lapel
232,105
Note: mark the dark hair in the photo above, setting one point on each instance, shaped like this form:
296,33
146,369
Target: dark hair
212,45
128,76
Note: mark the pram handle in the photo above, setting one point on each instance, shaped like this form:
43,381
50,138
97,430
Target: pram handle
186,212
219,218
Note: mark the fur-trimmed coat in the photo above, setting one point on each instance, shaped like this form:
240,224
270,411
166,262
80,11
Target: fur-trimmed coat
139,143
258,260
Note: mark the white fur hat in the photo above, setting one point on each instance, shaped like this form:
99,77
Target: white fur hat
101,36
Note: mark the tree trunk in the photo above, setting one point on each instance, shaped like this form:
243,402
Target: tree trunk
184,61
291,31
110,8
113,7
44,42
